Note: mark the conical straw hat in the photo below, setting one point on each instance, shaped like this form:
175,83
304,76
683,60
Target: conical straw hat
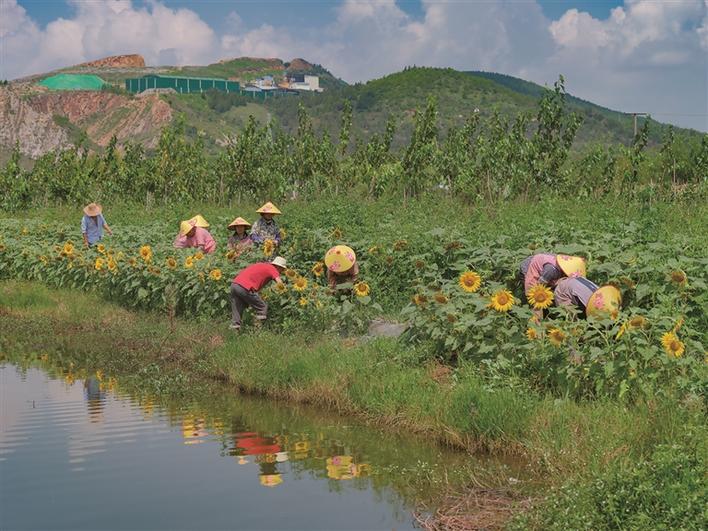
605,300
93,209
186,226
238,221
340,258
199,221
572,266
269,208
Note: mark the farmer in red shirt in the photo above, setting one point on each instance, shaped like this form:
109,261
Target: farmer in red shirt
247,284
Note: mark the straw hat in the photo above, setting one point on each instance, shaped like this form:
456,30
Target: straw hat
199,221
605,300
572,266
186,226
93,209
340,258
269,208
271,480
280,262
238,222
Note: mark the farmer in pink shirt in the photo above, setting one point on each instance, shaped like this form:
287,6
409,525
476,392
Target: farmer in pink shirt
191,234
548,269
245,288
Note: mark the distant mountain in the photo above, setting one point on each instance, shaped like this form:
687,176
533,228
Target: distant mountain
39,120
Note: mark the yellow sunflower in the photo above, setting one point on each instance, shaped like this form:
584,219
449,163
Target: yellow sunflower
361,289
44,259
318,269
146,253
303,301
290,273
133,262
470,281
556,336
440,297
300,284
171,263
638,321
189,262
679,277
215,274
400,245
112,265
280,288
199,255
101,248
230,255
268,247
531,334
68,248
420,299
98,264
539,296
502,300
673,345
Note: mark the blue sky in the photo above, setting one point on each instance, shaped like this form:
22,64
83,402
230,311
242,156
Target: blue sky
629,55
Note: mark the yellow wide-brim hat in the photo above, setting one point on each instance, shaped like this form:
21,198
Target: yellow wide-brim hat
605,301
238,222
269,208
199,221
340,258
572,266
186,226
271,480
93,209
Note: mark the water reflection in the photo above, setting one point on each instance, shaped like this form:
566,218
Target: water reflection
88,426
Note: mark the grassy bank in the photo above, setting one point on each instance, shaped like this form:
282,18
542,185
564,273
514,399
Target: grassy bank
381,381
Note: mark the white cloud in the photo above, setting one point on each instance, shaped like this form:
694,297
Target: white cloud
99,29
647,55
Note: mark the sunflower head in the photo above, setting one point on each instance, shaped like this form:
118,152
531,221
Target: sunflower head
300,284
215,274
268,247
171,263
540,296
638,321
679,277
502,300
189,262
470,281
281,288
146,253
556,336
290,273
199,255
68,248
303,302
133,262
98,264
400,245
440,298
673,345
531,333
419,299
318,269
361,289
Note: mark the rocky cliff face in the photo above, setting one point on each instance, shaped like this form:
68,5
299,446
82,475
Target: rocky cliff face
27,118
117,61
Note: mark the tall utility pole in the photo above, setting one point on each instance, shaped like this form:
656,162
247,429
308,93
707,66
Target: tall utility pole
635,114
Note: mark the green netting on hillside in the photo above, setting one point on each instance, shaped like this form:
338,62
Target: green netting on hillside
73,82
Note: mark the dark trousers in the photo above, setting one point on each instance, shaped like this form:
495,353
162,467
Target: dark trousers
241,298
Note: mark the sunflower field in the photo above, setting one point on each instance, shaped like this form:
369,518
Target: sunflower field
458,292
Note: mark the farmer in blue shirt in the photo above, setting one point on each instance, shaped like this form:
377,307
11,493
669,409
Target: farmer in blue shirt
92,224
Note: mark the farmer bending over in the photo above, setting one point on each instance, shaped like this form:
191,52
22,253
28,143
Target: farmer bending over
548,269
245,288
587,297
92,224
341,266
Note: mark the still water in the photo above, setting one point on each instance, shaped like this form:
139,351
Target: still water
79,452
